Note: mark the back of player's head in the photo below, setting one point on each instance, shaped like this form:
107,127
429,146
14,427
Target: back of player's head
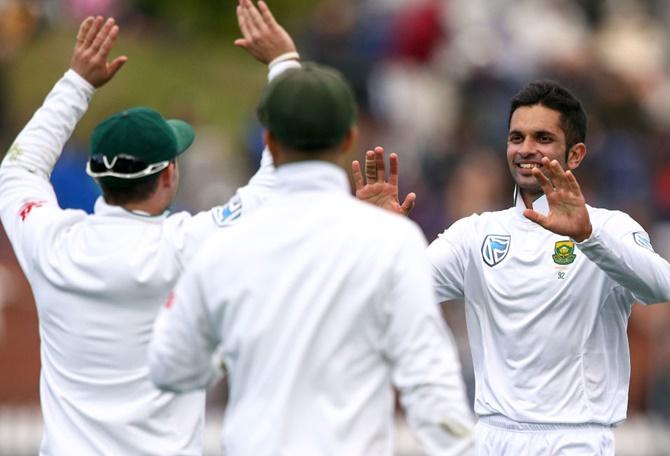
308,108
553,96
131,148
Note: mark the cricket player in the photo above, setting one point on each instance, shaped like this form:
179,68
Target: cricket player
99,280
548,286
328,305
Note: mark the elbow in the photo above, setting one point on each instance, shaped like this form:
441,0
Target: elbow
161,374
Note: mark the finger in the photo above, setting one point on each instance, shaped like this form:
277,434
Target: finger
544,181
254,16
535,217
102,35
107,45
84,28
242,21
558,174
357,175
408,204
370,167
266,14
393,169
573,185
93,30
379,163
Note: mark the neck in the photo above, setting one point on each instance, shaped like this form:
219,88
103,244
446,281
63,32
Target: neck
528,197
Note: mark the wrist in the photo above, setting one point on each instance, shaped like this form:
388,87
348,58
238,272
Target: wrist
286,56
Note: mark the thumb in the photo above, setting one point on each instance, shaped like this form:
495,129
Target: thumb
116,65
535,217
408,204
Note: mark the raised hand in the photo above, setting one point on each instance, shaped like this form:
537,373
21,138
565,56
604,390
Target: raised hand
567,208
95,40
374,189
262,36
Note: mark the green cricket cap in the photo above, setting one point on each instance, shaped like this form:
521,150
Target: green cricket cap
308,108
140,134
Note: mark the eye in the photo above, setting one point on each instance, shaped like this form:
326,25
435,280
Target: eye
545,139
515,138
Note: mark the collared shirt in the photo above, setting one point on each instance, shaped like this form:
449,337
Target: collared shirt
328,304
547,316
99,281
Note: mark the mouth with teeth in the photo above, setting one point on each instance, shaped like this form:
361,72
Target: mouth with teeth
526,168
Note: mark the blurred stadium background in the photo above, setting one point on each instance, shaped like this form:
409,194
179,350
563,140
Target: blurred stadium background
433,78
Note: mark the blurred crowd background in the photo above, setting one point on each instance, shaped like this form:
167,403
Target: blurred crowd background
433,79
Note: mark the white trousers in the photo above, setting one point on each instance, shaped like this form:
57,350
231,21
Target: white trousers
499,436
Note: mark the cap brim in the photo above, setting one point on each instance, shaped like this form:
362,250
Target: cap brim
184,134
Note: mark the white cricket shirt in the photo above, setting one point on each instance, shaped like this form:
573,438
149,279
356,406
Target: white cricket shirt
327,304
99,281
546,316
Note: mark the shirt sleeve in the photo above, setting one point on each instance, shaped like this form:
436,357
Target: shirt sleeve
425,365
183,349
448,257
622,249
28,204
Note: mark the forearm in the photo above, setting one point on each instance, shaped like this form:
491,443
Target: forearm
432,394
39,145
636,268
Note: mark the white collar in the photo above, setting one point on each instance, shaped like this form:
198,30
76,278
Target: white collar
312,175
102,208
540,205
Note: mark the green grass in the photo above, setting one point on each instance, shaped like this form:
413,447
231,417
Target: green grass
205,81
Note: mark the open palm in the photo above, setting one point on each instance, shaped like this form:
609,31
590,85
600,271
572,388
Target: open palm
567,215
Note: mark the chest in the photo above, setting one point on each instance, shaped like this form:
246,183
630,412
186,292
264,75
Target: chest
526,266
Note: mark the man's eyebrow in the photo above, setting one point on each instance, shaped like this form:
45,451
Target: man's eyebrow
545,133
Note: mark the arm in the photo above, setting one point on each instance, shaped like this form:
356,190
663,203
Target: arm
24,174
183,345
448,256
622,249
374,189
614,247
265,39
425,365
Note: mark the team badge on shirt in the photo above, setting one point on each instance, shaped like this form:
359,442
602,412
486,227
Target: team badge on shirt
495,248
564,252
224,215
642,239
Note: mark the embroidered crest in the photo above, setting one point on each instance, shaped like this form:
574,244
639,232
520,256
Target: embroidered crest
642,239
495,248
564,252
224,215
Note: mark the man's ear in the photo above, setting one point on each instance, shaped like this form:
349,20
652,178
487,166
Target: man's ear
168,175
350,139
575,155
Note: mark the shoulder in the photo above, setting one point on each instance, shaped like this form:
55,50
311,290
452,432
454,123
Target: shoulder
614,220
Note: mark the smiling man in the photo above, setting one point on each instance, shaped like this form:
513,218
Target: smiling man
548,287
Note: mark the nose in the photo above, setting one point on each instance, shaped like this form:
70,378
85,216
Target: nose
527,147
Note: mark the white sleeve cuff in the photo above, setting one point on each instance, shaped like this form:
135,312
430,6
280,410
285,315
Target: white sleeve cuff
79,81
278,67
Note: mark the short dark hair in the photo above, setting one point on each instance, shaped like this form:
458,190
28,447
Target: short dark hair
130,192
553,96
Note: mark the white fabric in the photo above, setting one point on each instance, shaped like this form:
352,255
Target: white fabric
327,305
543,440
98,282
548,340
